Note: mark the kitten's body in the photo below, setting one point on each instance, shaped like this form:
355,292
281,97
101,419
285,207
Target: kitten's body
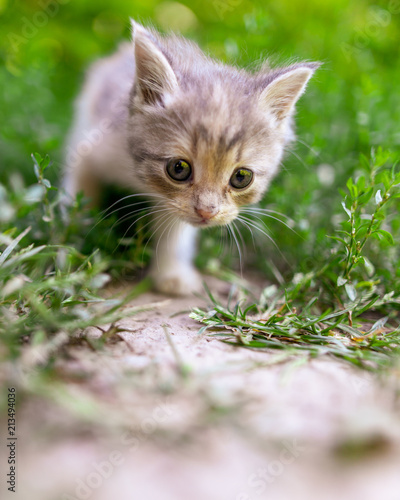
159,102
97,145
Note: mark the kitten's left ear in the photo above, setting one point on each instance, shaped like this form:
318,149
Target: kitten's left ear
154,76
285,88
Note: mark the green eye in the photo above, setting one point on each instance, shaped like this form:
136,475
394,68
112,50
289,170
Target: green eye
179,170
241,178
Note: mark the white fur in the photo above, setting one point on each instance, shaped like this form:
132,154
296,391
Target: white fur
172,268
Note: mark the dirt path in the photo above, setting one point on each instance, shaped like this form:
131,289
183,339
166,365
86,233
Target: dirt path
162,413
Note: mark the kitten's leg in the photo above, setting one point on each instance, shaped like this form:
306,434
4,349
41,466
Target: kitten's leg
172,268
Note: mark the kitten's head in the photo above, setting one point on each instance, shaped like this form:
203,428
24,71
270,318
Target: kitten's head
206,136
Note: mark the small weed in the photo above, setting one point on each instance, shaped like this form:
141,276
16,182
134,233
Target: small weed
349,306
47,285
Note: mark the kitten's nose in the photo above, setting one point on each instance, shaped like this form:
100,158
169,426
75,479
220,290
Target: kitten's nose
207,213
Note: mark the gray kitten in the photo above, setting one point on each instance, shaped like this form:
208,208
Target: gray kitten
199,138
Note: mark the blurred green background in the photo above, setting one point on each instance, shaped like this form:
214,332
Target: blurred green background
352,104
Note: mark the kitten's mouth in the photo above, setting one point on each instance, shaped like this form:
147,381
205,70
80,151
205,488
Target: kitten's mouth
197,222
200,223
203,222
206,222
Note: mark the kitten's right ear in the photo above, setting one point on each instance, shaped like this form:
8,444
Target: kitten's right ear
283,89
155,78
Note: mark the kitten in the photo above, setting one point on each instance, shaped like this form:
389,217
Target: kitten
198,137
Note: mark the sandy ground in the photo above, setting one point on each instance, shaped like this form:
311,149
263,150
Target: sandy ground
178,416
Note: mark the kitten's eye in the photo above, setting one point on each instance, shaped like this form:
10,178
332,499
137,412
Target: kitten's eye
241,178
179,170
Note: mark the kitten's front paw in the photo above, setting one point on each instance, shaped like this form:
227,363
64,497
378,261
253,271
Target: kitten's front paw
177,281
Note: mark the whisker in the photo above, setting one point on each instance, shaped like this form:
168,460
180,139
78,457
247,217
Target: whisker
231,229
165,218
142,227
144,195
241,252
169,233
221,243
255,226
144,202
268,210
236,229
168,223
137,220
240,236
249,229
298,157
104,214
131,214
229,237
315,153
271,217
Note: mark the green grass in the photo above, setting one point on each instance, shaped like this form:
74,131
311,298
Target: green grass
343,306
335,278
47,285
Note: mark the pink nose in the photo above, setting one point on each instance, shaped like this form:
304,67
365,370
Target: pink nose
207,213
